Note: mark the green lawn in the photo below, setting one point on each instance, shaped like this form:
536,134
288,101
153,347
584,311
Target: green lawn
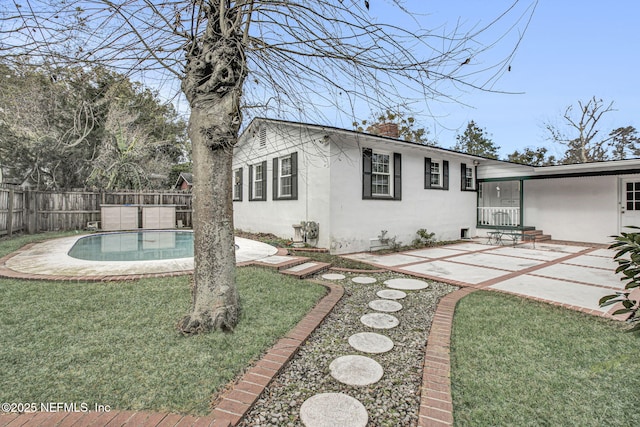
519,362
116,343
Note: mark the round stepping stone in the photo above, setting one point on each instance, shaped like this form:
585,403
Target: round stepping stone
391,294
379,320
385,305
333,276
333,409
356,370
370,342
364,280
407,284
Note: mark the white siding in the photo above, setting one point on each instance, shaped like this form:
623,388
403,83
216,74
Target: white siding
355,221
278,216
583,209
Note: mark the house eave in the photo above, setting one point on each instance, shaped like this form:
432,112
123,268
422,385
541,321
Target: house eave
361,136
604,168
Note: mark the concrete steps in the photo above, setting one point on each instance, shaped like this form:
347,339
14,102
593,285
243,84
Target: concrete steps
297,266
535,235
306,269
281,262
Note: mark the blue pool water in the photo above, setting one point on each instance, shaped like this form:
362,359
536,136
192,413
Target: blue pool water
134,246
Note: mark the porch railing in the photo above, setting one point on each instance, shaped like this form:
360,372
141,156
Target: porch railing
499,216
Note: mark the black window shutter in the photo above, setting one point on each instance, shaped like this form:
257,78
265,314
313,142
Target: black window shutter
366,173
264,180
250,182
463,176
397,176
275,179
240,184
427,172
294,176
445,174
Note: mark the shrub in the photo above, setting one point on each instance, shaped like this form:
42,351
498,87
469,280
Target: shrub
627,256
424,238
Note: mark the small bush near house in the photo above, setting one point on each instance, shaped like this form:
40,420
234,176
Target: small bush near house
391,242
424,238
627,256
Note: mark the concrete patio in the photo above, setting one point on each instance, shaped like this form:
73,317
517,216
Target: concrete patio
568,275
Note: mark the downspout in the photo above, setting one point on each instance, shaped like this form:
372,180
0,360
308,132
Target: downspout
521,204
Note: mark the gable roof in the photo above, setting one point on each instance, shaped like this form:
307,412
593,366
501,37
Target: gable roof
499,169
357,135
184,177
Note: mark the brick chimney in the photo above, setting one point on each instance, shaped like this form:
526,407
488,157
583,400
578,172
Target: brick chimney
384,129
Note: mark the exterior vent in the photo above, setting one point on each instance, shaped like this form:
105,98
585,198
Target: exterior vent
262,135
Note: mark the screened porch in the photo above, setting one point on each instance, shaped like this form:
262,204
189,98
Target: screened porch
500,204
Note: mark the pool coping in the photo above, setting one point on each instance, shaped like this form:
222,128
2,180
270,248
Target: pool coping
7,272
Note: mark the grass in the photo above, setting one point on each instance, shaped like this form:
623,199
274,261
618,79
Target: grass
519,362
116,343
13,243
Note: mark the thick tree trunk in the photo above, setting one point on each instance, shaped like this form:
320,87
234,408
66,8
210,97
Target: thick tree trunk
215,72
215,299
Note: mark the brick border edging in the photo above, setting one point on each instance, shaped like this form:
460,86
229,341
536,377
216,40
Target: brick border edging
235,403
436,404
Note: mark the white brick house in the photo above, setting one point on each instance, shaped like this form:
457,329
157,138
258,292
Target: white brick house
355,185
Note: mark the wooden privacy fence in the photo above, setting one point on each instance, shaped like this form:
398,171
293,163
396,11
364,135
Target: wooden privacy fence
32,211
11,211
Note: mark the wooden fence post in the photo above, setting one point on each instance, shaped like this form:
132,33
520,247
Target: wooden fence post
10,213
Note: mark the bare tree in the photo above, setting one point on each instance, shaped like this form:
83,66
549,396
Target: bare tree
585,142
285,57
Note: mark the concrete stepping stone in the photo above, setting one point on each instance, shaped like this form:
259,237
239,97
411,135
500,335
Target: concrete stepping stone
379,320
385,305
364,280
370,342
333,409
406,284
356,370
333,276
391,294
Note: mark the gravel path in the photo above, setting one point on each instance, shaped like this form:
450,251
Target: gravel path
394,400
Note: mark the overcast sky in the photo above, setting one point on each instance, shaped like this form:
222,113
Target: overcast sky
573,50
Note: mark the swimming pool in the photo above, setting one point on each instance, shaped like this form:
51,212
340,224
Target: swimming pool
134,246
51,260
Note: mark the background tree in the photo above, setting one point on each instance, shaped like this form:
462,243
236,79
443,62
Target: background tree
584,140
299,55
474,140
625,143
532,157
53,125
48,126
407,127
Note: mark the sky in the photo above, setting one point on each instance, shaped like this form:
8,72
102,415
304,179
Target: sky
573,50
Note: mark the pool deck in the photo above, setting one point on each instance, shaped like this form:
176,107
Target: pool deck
49,260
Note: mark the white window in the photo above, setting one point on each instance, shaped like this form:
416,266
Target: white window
436,174
237,184
285,177
468,178
381,173
258,178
